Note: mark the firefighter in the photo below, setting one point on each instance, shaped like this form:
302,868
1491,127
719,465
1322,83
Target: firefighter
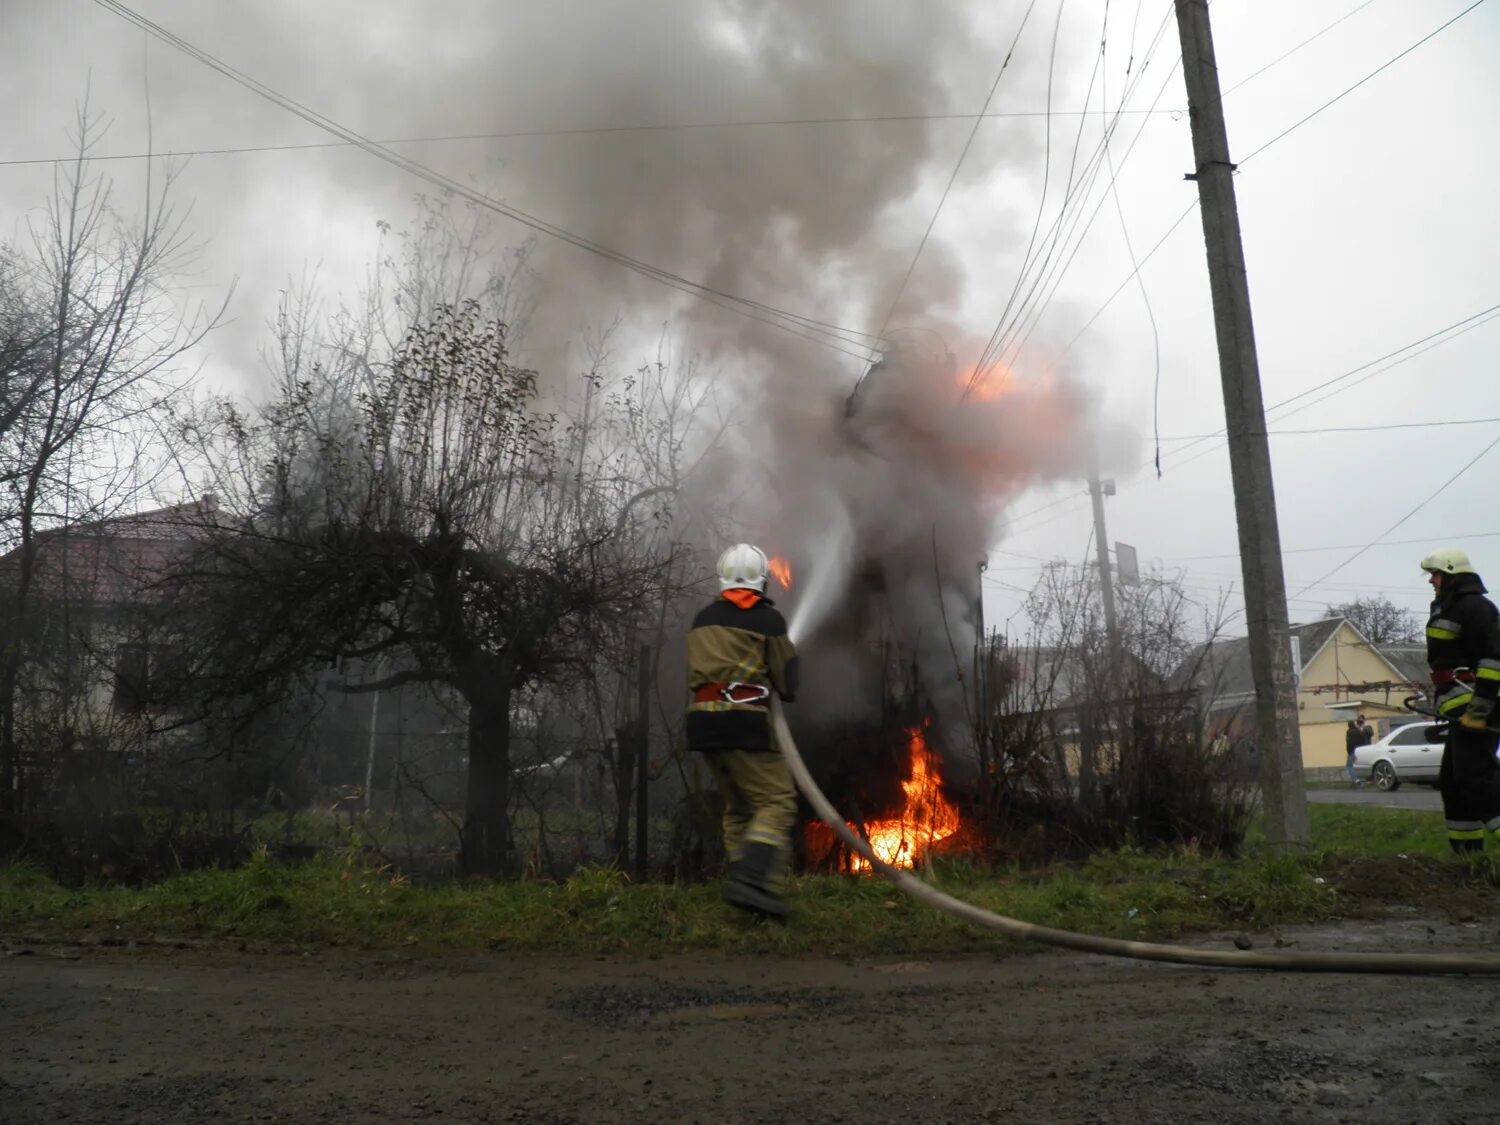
738,652
1463,651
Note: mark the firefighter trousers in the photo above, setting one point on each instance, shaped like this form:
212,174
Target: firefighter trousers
1469,780
760,803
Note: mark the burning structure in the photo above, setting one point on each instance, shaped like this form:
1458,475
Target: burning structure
885,505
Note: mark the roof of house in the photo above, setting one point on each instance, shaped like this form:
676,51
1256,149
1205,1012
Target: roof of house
112,562
1050,678
1222,668
1410,660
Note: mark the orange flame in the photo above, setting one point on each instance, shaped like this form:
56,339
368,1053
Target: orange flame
985,384
782,570
926,818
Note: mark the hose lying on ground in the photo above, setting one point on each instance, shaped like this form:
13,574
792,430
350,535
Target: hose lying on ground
1116,947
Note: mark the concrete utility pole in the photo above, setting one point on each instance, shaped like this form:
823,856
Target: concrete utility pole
1101,549
1249,452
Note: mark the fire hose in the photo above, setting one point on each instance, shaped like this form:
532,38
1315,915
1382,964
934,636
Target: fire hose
1405,963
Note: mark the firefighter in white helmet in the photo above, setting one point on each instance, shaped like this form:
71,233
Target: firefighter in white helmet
1463,652
738,652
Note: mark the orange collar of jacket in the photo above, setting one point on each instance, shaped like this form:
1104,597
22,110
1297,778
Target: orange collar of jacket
744,599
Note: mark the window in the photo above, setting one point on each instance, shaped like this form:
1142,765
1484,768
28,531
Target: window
169,671
1414,735
147,676
131,683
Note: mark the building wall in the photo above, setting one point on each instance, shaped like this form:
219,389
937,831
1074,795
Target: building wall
1346,659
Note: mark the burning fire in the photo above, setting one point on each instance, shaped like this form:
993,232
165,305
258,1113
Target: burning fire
782,571
985,384
926,818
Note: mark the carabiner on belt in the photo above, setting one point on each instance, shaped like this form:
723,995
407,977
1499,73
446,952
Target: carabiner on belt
745,693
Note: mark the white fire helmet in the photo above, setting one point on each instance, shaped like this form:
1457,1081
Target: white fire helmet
1449,560
743,567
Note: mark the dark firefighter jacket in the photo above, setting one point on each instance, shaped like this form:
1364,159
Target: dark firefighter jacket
739,638
1463,635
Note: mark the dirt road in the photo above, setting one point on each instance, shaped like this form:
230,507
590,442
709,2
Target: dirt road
166,1036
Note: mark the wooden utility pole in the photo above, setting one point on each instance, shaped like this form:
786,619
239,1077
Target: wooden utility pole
1249,451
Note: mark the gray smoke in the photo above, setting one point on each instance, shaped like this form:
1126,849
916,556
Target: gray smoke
821,219
816,218
897,495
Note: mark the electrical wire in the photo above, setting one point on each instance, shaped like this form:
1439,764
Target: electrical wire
957,166
1177,222
1433,496
1253,75
1041,206
580,131
1349,546
947,189
1341,382
1114,191
1223,94
818,332
1346,429
1340,96
1049,276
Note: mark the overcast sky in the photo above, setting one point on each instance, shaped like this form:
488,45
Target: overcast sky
1366,229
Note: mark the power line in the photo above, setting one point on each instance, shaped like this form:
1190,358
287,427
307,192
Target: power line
1046,181
1136,266
1282,58
1070,498
1062,229
1339,97
818,332
1350,546
953,177
1447,334
582,131
1348,429
1435,494
1114,190
1255,74
1432,340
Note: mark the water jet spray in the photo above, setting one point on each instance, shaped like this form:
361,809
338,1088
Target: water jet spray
828,571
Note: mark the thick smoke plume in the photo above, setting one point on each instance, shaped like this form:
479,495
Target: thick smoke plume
824,219
888,502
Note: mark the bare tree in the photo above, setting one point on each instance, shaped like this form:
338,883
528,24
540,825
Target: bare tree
425,510
89,335
1096,750
1380,620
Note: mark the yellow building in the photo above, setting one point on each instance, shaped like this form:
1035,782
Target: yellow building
1340,675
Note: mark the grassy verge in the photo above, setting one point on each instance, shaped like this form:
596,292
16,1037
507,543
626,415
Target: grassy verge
1366,859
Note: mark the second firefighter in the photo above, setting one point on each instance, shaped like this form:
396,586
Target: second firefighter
1463,652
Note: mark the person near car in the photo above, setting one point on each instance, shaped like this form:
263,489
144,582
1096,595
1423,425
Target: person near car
1367,732
1463,653
1354,738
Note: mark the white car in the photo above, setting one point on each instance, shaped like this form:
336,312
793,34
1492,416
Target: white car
1407,753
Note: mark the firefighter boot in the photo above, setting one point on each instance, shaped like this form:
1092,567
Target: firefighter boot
749,882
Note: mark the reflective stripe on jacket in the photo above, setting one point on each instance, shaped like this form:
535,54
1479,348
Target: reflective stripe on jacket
1464,633
737,639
